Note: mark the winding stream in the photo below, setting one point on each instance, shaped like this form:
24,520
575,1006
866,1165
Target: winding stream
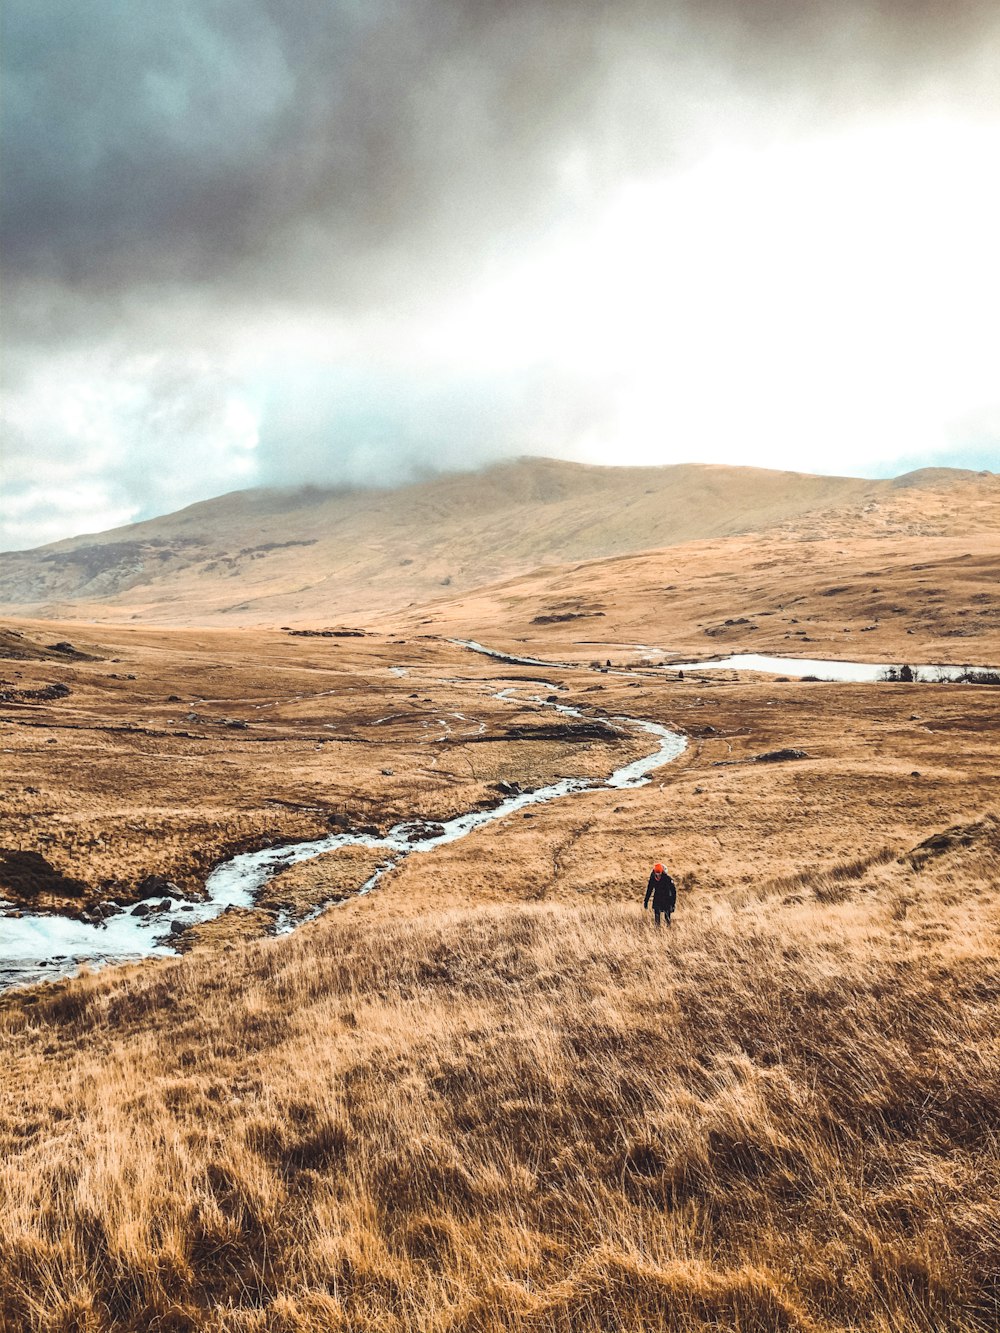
35,946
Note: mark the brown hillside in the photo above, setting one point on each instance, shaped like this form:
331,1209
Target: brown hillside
914,577
257,557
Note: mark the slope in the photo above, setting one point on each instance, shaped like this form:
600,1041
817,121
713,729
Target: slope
256,557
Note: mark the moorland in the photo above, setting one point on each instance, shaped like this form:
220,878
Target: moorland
488,1095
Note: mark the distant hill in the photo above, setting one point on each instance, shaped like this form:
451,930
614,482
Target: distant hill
322,556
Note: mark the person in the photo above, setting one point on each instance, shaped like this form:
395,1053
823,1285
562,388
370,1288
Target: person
663,891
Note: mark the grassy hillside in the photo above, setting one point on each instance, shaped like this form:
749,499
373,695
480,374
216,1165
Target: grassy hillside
269,557
781,1114
172,748
488,1097
931,598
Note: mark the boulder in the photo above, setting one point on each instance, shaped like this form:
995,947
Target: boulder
779,756
155,886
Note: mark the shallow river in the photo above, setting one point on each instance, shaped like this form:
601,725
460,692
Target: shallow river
39,945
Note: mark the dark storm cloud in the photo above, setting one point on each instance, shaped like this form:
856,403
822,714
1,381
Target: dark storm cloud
346,150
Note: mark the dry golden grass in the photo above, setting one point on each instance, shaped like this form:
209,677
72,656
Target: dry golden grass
332,877
778,1115
870,597
137,773
489,1098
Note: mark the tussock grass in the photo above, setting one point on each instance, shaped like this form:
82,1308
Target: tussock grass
519,1118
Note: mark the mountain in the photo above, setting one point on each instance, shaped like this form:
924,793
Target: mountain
308,555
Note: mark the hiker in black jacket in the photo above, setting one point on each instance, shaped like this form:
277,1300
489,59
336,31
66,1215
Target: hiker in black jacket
663,891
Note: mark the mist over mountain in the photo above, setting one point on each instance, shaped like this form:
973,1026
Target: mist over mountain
258,244
268,555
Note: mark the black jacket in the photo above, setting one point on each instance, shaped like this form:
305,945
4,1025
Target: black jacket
663,892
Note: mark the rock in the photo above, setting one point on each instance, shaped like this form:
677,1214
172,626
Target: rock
779,756
187,908
173,698
141,909
740,622
155,886
422,831
41,695
387,772
177,928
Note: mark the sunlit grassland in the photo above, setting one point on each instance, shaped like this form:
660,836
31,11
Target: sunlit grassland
781,1114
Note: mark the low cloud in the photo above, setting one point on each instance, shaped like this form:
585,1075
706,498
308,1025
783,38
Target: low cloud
365,426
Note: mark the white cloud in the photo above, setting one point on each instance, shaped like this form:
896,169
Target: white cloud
818,304
825,304
98,439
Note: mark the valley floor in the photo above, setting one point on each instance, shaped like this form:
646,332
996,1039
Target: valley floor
490,1096
522,1118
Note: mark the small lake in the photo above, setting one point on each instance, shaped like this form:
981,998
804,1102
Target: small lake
829,669
822,668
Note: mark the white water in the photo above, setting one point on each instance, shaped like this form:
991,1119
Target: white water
822,668
37,945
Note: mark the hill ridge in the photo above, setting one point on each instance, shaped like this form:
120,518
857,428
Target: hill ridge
268,554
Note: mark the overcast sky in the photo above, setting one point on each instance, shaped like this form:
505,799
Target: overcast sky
250,242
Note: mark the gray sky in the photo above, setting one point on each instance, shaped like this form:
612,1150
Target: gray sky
247,242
